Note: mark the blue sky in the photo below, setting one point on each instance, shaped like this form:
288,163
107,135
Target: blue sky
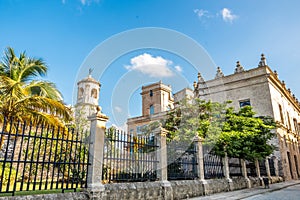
65,32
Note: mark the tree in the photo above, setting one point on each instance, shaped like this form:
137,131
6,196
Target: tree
25,96
238,134
244,136
194,117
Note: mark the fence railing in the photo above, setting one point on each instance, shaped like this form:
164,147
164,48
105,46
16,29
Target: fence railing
128,157
37,157
213,165
262,168
182,161
235,167
272,167
251,169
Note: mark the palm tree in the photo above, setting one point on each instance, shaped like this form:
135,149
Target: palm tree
25,96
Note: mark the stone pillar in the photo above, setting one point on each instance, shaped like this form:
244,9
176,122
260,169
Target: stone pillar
257,169
226,172
200,167
97,133
162,166
268,169
244,172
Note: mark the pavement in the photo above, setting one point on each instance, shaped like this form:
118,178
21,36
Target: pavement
246,193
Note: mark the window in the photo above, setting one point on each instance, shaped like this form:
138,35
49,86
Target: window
281,114
289,122
151,109
94,93
80,92
296,126
245,103
151,93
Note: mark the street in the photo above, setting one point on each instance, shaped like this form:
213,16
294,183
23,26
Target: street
289,193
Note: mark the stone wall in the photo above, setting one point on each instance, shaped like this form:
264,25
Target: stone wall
173,190
58,196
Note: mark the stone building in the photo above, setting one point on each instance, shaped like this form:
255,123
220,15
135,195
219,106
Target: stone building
88,90
157,99
261,88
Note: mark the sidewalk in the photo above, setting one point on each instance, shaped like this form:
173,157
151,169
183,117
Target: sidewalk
241,194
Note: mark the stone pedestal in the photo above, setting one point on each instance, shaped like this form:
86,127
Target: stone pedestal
244,172
95,188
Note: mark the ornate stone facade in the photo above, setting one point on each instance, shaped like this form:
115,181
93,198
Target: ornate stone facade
261,88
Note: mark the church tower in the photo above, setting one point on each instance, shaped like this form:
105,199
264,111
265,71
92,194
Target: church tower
156,98
88,90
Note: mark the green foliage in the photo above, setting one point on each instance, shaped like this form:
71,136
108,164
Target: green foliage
238,134
244,136
194,117
25,96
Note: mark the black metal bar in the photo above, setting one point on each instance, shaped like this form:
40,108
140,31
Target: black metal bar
60,158
12,157
6,152
32,158
19,156
70,157
44,157
38,154
26,155
65,157
55,157
87,160
79,139
49,157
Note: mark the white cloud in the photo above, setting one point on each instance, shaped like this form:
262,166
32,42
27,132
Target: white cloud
118,109
153,66
88,2
201,13
227,15
178,68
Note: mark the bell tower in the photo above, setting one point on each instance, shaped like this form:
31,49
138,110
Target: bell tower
88,90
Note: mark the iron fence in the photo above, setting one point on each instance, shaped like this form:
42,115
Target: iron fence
235,167
262,168
40,157
272,167
251,169
128,158
182,161
213,165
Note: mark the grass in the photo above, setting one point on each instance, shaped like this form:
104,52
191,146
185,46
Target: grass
32,191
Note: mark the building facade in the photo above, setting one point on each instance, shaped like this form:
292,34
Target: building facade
261,88
157,100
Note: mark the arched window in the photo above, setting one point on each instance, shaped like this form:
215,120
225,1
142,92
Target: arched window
151,93
94,93
80,92
151,109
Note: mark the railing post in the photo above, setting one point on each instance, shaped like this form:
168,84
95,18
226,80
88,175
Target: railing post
244,172
200,159
268,169
226,171
257,169
162,166
96,150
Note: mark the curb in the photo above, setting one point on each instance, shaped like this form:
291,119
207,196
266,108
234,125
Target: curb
271,190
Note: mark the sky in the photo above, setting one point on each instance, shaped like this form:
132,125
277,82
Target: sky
136,42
